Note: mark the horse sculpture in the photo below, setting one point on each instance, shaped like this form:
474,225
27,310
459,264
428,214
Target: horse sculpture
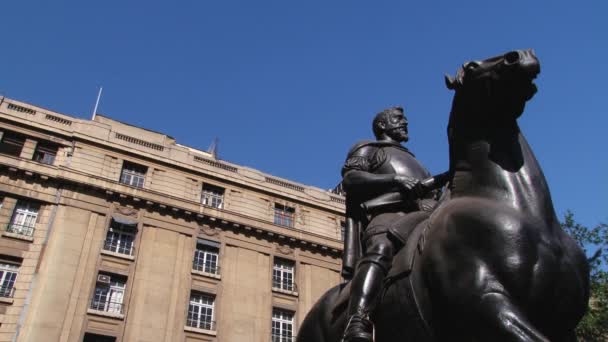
492,263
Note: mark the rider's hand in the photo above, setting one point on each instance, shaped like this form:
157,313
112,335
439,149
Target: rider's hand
410,187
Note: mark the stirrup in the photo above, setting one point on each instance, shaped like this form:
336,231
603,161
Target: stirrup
360,316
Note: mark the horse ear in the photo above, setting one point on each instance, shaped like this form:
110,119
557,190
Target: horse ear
450,82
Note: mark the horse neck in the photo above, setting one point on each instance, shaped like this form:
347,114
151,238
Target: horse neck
497,163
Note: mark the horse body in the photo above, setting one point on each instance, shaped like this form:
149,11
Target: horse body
496,264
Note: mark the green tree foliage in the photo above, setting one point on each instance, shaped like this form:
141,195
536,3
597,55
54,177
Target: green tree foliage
594,325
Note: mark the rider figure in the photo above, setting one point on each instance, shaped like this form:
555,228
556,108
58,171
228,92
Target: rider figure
373,169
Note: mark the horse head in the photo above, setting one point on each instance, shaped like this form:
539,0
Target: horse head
494,90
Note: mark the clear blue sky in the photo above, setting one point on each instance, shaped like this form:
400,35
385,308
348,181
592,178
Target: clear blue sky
288,86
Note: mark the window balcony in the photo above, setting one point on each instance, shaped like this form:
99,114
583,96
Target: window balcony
119,248
108,308
283,338
206,272
212,269
201,325
7,291
19,229
280,285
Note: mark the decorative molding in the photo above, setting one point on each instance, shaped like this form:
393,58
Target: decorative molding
340,200
215,164
21,109
284,184
317,194
292,234
252,174
286,250
139,141
209,231
126,211
58,120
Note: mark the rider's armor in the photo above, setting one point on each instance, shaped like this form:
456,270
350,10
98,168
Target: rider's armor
373,237
379,157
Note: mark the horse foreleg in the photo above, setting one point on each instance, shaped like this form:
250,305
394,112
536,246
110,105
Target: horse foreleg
503,321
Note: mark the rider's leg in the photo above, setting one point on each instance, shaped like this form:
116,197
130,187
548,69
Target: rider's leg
367,285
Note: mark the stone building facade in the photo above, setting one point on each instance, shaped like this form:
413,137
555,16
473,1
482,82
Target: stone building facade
110,232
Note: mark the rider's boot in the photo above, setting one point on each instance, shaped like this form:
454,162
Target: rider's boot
366,287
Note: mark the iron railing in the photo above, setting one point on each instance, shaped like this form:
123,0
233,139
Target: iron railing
201,324
99,304
283,338
282,284
120,248
206,267
20,229
7,291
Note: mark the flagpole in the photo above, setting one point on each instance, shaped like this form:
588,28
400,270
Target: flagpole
96,103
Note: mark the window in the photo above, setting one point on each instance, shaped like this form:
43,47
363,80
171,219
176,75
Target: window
11,143
120,237
342,230
8,274
133,174
109,293
212,196
24,218
45,153
283,275
89,337
206,257
283,215
200,311
282,326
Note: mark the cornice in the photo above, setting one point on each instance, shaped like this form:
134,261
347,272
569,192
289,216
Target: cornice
153,200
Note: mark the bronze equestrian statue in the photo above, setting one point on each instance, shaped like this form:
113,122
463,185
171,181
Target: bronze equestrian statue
492,262
374,168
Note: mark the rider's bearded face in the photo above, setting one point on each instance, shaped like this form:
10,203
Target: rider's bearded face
396,127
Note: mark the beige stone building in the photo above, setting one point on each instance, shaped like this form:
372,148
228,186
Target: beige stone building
110,232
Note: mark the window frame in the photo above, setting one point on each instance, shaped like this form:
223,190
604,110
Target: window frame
200,314
89,336
15,143
106,302
206,258
282,325
133,174
284,215
8,274
120,238
29,212
212,196
45,153
284,275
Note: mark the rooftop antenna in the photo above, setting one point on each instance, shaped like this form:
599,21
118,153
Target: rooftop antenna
96,104
213,148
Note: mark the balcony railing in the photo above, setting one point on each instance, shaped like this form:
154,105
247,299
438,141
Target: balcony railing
20,229
7,291
281,284
206,268
120,248
283,338
114,307
201,324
